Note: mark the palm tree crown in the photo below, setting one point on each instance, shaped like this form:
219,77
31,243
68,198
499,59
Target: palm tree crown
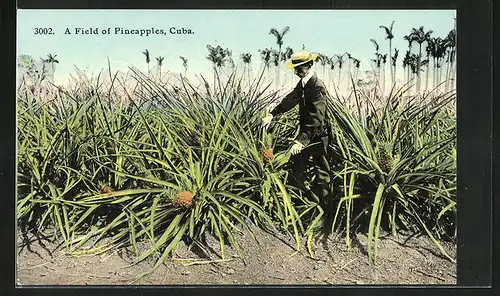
388,31
279,35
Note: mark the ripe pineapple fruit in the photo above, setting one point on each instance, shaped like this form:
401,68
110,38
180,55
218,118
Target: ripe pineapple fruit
184,199
105,188
385,159
267,156
267,153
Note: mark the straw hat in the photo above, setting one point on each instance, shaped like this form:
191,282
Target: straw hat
300,58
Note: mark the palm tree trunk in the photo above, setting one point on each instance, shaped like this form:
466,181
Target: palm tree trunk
378,77
433,72
278,68
453,69
394,79
448,73
440,78
404,75
328,84
52,72
418,67
215,74
351,74
248,74
427,74
409,73
383,79
338,82
357,74
390,62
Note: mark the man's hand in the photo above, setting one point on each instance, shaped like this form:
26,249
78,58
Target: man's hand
296,147
266,121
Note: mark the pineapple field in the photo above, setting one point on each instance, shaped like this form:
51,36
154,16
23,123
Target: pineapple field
160,170
163,176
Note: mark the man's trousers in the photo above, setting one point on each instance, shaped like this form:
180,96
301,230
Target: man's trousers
316,151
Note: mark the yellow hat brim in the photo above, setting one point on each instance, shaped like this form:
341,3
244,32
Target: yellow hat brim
291,66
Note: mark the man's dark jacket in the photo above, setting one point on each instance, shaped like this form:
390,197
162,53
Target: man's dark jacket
312,108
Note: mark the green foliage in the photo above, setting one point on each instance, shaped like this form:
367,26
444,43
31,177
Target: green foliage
100,168
403,163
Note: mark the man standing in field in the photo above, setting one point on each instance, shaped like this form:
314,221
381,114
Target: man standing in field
312,142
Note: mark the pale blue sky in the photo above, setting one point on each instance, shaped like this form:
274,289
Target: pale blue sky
325,31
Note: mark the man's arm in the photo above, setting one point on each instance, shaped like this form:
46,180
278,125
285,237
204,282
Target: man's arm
290,101
316,117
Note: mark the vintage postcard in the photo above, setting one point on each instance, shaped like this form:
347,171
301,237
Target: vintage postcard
236,147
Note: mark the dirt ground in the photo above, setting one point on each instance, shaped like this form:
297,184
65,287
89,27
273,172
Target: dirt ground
271,260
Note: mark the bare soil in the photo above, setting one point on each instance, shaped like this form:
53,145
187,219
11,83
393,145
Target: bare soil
271,259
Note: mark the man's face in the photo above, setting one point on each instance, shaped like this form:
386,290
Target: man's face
301,71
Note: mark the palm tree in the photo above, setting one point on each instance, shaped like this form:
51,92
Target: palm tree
416,66
378,63
377,48
394,59
275,58
287,54
357,64
378,57
26,61
323,60
247,59
146,53
229,56
410,39
383,58
441,47
339,61
430,49
266,57
279,40
353,61
218,56
450,44
26,68
184,64
420,36
406,65
51,59
413,63
159,60
349,60
332,67
389,36
453,58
